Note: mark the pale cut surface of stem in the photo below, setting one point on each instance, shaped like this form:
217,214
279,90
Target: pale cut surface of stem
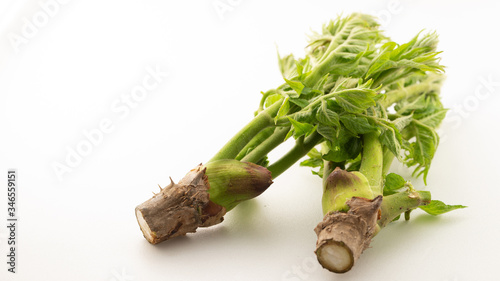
342,237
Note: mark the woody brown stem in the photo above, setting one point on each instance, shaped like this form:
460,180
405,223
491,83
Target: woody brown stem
179,208
343,236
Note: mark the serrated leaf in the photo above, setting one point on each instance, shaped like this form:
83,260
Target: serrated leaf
356,100
423,148
340,152
271,99
392,183
406,107
358,125
401,122
305,116
391,138
314,160
300,102
297,86
314,153
307,91
321,83
319,173
434,119
301,129
285,107
288,67
327,131
300,68
437,207
327,116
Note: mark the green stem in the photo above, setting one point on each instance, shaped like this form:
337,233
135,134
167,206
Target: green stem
328,166
267,145
398,203
258,139
388,158
372,162
293,155
263,120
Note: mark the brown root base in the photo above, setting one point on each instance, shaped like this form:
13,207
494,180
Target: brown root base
342,237
179,208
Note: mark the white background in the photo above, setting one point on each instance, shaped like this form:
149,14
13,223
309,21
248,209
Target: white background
75,67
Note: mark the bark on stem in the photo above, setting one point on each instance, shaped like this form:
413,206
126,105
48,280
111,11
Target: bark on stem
342,237
201,198
179,209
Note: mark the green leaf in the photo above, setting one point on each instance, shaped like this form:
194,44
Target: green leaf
285,107
434,119
423,148
288,67
327,116
401,122
393,182
320,172
437,207
340,152
297,86
271,99
327,131
396,218
356,124
406,107
356,100
391,138
300,129
305,116
314,160
300,102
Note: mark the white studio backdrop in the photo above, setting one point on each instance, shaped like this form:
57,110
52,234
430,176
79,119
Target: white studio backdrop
100,101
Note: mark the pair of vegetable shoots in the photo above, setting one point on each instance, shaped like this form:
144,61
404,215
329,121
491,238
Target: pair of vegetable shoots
355,103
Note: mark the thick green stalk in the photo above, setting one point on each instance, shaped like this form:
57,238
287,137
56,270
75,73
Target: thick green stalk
263,120
340,186
258,139
398,203
328,166
233,181
267,145
300,149
372,162
388,158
